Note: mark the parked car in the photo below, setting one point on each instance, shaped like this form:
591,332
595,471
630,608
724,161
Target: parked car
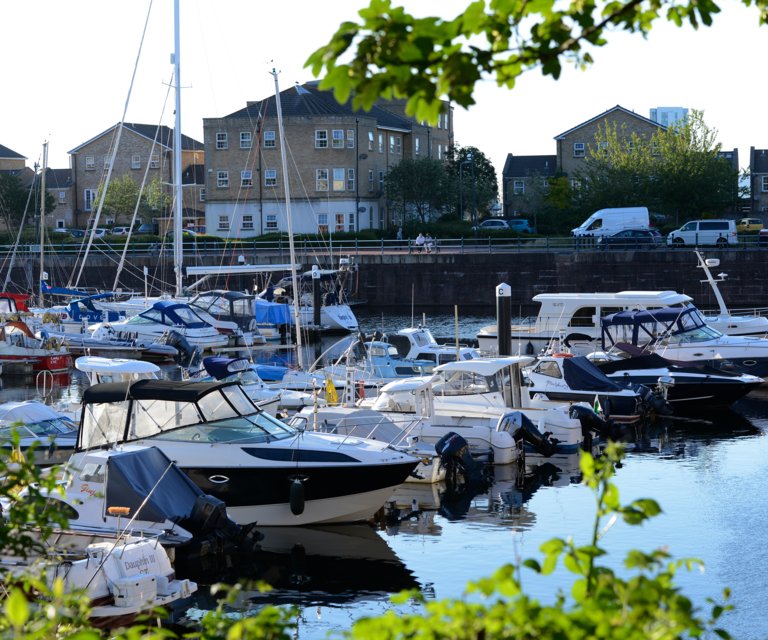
749,224
148,228
77,233
717,233
631,239
520,225
120,231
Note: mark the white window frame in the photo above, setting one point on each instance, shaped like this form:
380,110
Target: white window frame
322,223
270,222
440,151
247,222
579,150
764,181
321,180
337,138
60,224
270,177
381,143
350,138
270,139
339,220
89,197
201,194
90,163
370,141
391,144
321,138
154,161
246,178
337,179
518,187
398,145
223,223
370,180
136,161
62,196
417,145
222,179
246,140
381,181
222,140
350,179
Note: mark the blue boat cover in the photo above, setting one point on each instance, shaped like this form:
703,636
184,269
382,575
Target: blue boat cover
581,375
131,479
271,312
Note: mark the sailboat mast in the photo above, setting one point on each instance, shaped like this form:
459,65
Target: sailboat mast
178,246
42,219
294,279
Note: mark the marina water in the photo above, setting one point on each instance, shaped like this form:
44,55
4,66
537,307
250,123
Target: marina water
708,474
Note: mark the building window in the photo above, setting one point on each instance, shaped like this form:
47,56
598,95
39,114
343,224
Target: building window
398,145
764,181
630,146
60,224
270,178
575,184
440,152
248,223
654,148
321,139
270,142
246,178
350,138
89,197
223,223
246,139
154,162
222,141
351,222
337,138
518,187
381,143
339,218
370,179
602,148
578,149
270,222
439,120
322,223
381,181
90,163
338,179
135,161
62,196
370,141
391,144
201,195
350,179
417,145
222,179
321,180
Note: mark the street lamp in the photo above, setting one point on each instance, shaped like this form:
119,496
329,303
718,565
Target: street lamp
471,162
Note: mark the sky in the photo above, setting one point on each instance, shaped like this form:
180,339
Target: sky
68,67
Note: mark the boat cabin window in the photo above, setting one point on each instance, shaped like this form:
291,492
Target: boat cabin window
583,317
150,316
92,472
423,338
457,383
254,428
187,316
401,343
548,368
432,357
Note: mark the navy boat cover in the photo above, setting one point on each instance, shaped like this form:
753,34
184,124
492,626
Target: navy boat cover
582,375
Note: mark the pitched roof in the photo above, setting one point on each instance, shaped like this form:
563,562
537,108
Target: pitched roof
308,100
163,134
58,178
617,109
7,153
518,166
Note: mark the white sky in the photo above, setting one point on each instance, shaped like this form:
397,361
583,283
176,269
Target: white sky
67,68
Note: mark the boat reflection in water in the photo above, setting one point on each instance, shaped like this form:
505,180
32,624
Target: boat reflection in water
309,566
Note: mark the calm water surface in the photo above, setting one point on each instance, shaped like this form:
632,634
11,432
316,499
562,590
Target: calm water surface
709,477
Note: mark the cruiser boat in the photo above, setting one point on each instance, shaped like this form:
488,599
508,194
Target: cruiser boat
418,343
264,470
53,433
681,334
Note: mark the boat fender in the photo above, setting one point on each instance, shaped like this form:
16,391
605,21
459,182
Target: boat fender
296,495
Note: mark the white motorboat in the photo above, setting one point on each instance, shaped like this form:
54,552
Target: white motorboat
52,433
162,317
681,334
418,343
265,470
101,369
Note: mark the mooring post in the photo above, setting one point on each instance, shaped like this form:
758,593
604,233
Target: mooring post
504,319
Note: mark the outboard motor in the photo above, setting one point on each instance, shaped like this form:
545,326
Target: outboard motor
591,423
209,515
456,458
189,356
654,400
526,431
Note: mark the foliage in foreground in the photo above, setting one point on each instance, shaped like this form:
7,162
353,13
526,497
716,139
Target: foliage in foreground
601,604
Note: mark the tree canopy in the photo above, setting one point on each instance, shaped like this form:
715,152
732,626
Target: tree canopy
391,53
418,188
475,180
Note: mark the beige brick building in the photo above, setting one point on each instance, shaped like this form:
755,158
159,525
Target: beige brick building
145,153
337,159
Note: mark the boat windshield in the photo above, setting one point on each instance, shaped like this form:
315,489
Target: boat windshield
258,427
462,383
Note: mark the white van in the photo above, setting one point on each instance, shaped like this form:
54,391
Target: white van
606,222
704,232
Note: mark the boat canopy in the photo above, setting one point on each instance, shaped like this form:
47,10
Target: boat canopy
639,328
173,314
581,375
485,366
271,312
150,485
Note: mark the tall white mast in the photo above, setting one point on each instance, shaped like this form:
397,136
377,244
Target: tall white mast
294,279
42,218
178,246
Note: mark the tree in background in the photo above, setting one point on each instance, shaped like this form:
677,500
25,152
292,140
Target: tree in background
390,53
15,198
678,172
475,181
123,194
548,203
418,190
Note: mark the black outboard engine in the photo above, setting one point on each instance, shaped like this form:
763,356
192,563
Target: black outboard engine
526,431
456,458
189,356
591,423
654,400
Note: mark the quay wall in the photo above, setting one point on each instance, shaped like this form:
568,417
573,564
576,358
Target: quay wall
440,281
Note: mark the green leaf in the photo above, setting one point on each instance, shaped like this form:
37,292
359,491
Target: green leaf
17,609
